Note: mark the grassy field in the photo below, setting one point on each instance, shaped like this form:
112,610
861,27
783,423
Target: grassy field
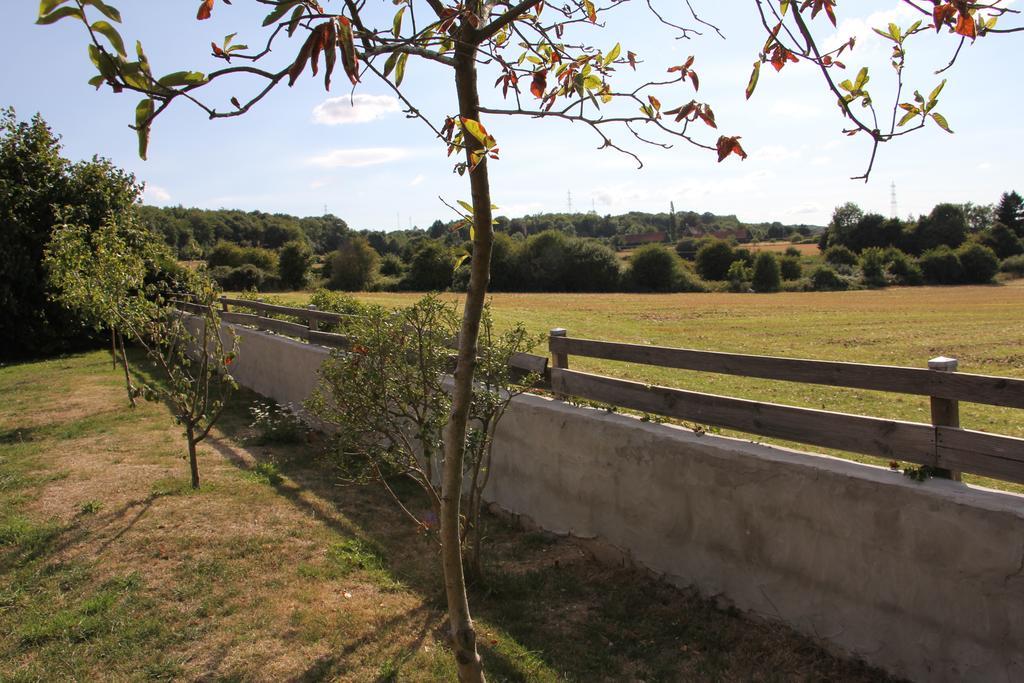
981,326
112,568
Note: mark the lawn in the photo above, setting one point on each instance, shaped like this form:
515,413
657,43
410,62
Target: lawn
982,326
112,568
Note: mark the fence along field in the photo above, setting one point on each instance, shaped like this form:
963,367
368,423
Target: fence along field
939,444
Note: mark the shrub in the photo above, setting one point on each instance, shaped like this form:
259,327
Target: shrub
431,268
593,267
790,268
826,279
294,262
767,275
1002,241
239,279
872,266
264,259
275,423
653,268
391,264
354,265
1013,265
225,254
687,248
543,262
839,255
713,259
941,266
979,264
793,252
902,268
505,263
739,276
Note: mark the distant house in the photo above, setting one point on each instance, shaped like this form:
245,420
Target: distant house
644,238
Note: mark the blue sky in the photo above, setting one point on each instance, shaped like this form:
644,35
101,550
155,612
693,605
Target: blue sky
303,149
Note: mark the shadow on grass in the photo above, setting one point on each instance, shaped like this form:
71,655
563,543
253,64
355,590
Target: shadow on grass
545,610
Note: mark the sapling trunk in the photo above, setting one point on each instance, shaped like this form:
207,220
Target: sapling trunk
463,633
193,461
127,374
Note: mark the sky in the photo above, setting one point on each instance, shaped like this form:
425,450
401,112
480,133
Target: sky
355,153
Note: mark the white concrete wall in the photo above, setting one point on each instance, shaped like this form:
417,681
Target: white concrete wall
923,579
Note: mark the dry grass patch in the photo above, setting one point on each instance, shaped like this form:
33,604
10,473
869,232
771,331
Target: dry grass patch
111,567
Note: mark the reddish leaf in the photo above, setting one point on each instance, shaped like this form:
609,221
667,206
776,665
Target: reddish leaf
205,9
727,146
631,57
965,25
217,52
540,83
942,14
696,82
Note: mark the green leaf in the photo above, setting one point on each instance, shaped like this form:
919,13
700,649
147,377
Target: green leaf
278,12
293,21
754,76
613,54
111,34
466,205
108,11
59,14
862,78
96,81
389,65
180,78
400,68
941,120
47,6
396,25
909,116
142,113
938,89
459,261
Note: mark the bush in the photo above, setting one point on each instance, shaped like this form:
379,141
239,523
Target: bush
839,255
767,275
1013,265
225,254
244,277
391,265
653,268
902,268
543,262
431,268
354,265
979,264
739,275
593,267
872,266
714,258
790,268
1002,241
793,252
294,262
941,266
687,248
264,259
824,279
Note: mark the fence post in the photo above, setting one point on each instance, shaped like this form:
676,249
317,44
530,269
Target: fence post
558,360
223,304
311,319
945,411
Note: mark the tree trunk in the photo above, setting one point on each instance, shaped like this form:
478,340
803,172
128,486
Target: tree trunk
127,375
193,461
462,631
113,349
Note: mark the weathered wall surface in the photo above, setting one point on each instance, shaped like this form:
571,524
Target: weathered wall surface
925,580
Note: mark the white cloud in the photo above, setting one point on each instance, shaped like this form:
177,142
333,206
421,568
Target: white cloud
774,153
417,180
861,28
354,158
355,109
792,109
984,166
155,193
318,184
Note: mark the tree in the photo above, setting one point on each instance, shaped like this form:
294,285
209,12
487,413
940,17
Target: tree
294,262
38,189
1002,241
431,268
654,268
102,273
568,80
354,265
1010,212
714,258
767,275
946,225
979,263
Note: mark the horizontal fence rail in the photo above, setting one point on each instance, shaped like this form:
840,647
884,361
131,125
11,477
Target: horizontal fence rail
999,391
942,445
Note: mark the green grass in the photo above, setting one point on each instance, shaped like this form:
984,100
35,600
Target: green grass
982,326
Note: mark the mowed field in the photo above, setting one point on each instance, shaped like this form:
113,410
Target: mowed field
981,326
780,247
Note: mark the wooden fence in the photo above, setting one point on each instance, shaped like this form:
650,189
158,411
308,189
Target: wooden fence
941,445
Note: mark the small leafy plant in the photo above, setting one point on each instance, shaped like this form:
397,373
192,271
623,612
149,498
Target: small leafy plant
276,424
